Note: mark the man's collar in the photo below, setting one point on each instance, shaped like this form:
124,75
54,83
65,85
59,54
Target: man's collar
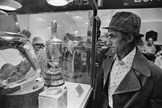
128,57
140,63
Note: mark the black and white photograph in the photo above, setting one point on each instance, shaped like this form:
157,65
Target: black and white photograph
80,53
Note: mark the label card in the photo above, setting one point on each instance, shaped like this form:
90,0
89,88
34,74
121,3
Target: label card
79,90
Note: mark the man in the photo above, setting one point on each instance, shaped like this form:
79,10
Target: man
149,49
126,79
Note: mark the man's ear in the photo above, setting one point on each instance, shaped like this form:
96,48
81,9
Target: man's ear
130,38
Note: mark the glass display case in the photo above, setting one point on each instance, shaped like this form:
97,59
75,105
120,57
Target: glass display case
70,60
75,31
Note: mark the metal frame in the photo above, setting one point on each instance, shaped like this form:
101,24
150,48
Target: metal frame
94,5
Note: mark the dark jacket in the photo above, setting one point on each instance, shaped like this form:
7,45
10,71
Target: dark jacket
140,88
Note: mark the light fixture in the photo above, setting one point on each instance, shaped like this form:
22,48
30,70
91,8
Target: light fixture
9,5
58,2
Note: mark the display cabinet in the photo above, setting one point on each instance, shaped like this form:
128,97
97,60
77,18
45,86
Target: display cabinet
76,31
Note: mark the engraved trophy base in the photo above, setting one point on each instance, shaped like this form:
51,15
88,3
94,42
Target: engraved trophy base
53,79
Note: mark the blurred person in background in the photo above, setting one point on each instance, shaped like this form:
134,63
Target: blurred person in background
39,47
26,32
149,49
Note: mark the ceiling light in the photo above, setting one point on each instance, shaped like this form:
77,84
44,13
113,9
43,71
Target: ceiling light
77,17
9,5
58,2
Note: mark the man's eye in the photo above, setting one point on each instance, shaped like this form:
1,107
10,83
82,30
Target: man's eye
107,36
111,36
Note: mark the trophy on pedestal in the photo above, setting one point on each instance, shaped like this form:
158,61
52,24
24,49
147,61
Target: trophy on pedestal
53,77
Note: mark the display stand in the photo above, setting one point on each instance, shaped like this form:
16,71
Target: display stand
76,96
75,101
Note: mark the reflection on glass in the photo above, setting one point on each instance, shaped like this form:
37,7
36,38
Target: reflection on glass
74,63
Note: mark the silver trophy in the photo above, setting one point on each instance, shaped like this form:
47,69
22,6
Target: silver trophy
53,76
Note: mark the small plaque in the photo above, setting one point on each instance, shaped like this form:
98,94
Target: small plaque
79,90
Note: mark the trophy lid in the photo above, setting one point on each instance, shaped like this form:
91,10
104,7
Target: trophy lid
54,39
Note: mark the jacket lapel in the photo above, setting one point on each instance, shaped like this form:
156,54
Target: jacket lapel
131,82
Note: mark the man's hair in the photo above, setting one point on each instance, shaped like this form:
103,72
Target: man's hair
26,33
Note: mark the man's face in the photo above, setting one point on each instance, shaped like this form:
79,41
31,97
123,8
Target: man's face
150,41
37,47
116,41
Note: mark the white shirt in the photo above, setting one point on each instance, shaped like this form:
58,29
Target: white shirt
118,72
